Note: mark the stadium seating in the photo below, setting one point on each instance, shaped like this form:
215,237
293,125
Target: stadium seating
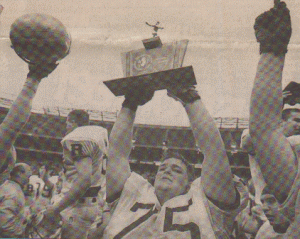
40,139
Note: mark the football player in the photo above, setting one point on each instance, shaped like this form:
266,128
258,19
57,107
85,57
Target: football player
12,124
274,153
17,117
178,205
84,147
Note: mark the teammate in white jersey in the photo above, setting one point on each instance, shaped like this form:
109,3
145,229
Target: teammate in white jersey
38,194
83,149
177,206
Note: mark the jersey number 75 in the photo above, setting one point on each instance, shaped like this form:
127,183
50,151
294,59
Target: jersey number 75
169,225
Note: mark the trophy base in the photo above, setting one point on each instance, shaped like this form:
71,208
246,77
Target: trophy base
158,80
152,43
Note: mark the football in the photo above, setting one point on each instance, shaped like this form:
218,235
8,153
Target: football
39,38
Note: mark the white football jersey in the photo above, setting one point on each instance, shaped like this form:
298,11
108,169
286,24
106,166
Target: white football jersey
37,195
35,186
85,141
138,214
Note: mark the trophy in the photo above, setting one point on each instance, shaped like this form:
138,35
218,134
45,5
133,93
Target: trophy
157,64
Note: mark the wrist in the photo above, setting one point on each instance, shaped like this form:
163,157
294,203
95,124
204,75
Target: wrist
32,84
130,105
189,97
273,49
33,77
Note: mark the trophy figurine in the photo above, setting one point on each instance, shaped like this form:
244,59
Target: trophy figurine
155,28
155,41
157,64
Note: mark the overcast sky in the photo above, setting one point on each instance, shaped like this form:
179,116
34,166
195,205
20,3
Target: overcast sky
202,20
222,50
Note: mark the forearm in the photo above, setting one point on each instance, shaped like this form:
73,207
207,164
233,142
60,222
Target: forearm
120,144
18,114
266,97
216,174
273,152
78,189
204,128
120,140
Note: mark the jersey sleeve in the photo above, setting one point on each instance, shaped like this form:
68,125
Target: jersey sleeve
132,189
222,218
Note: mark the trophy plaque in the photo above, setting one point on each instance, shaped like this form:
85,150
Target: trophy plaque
158,65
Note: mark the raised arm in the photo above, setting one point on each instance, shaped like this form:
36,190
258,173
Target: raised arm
79,186
120,142
18,114
20,110
273,151
216,176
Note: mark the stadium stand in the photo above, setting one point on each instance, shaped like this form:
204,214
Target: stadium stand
39,142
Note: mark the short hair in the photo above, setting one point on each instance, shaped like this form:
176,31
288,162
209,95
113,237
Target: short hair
18,168
286,113
81,117
280,198
174,154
